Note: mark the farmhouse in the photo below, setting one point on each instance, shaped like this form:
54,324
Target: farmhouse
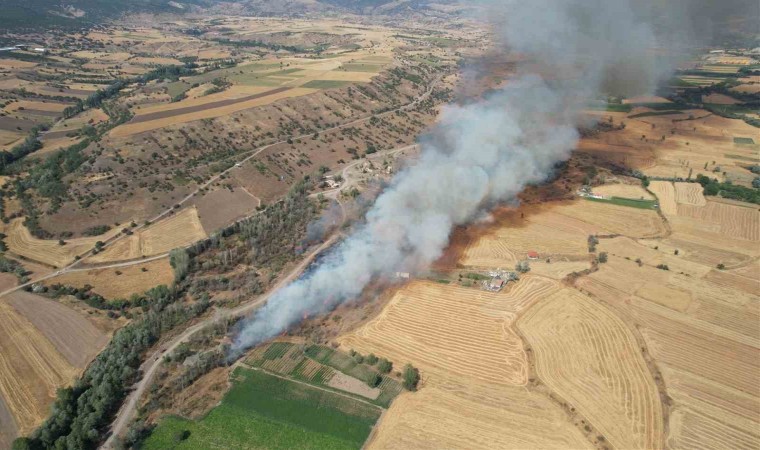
533,255
496,284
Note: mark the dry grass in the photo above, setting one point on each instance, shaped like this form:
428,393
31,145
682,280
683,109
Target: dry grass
587,355
21,242
133,279
178,230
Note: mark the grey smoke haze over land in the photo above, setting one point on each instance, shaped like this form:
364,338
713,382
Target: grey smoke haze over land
485,152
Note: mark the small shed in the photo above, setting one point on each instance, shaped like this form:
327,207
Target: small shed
533,254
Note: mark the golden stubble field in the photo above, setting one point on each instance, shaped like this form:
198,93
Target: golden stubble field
178,230
626,356
120,282
44,345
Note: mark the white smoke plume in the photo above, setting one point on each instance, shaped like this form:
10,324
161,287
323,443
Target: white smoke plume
481,153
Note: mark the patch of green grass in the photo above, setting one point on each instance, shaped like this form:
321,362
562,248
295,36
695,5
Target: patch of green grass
632,203
176,88
326,84
744,141
263,411
360,67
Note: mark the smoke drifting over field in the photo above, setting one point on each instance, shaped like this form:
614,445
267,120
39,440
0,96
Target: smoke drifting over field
482,153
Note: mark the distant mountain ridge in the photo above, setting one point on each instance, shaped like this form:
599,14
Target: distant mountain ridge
33,14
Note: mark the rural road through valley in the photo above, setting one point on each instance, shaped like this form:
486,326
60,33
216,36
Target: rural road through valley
250,155
150,366
152,363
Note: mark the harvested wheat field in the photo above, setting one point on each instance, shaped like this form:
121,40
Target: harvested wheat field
133,279
590,358
541,230
177,230
21,242
31,369
473,367
421,314
666,196
614,219
690,194
72,334
699,324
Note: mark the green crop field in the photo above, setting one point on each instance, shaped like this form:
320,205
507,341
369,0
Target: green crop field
263,411
326,84
632,203
359,67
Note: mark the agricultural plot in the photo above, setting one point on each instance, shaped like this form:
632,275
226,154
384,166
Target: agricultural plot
71,333
120,282
263,411
178,230
325,367
631,191
31,369
207,113
610,384
21,242
542,230
698,322
708,231
473,368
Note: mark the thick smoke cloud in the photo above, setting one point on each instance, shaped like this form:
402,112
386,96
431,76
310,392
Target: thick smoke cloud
482,153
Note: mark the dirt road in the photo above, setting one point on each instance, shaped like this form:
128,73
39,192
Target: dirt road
152,363
250,155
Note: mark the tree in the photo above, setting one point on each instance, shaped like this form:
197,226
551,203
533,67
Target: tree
411,377
602,257
522,267
180,262
592,242
721,266
371,359
374,380
385,366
